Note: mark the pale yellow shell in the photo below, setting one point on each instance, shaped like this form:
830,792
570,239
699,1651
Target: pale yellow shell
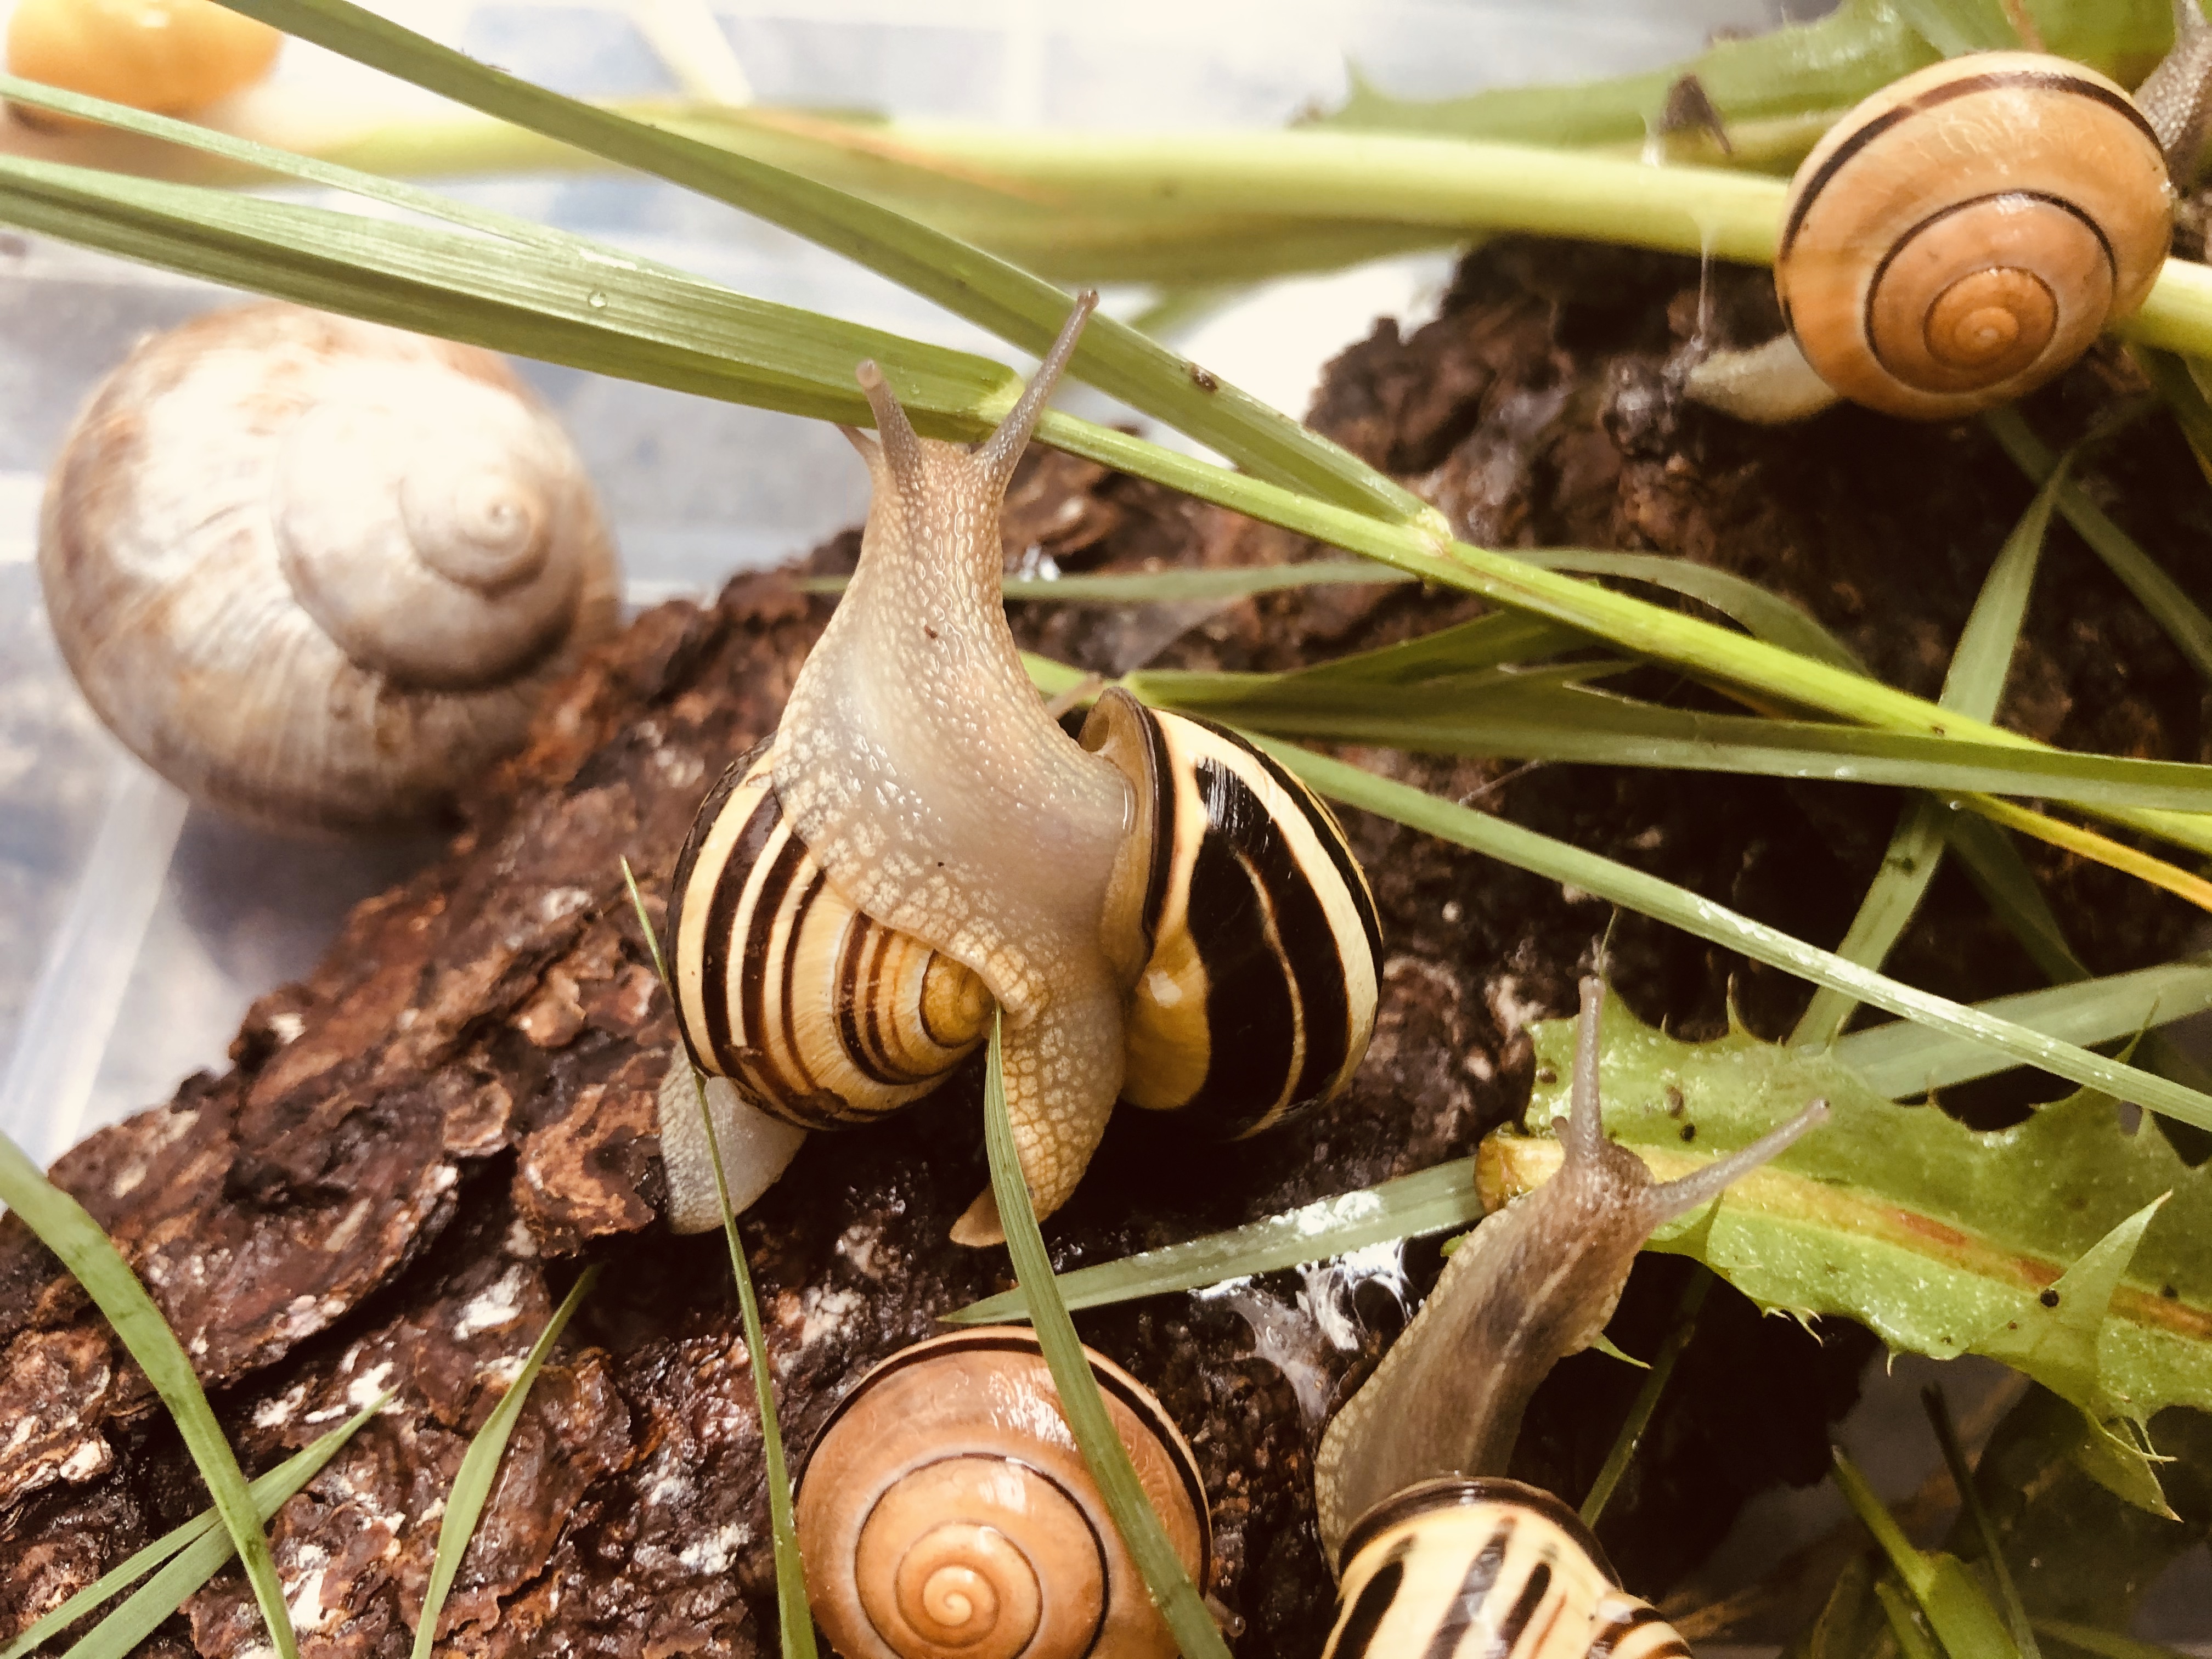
319,572
946,1511
169,56
1965,232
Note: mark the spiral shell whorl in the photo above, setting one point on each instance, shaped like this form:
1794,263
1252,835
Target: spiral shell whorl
164,566
1965,234
946,1513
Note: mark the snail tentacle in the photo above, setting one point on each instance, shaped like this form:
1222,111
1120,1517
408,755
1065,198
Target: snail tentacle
1532,1283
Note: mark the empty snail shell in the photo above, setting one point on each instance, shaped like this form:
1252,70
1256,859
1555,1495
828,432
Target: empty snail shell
316,572
1532,1283
945,1512
1161,912
169,55
1964,234
1487,1566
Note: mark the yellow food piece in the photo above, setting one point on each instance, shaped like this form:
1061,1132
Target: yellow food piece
167,56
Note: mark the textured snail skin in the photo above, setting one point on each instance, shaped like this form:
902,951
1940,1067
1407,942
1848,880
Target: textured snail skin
318,573
922,773
2176,98
1459,1568
945,1512
169,55
1532,1283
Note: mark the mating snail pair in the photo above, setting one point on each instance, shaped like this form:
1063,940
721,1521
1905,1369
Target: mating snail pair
1964,234
944,1510
1159,912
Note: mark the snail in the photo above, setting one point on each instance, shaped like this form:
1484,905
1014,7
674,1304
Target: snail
167,56
1964,234
1411,1510
1160,912
319,572
945,1512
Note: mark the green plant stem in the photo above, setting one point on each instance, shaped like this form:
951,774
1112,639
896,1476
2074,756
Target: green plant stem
1680,1330
1107,1459
1970,1498
85,1249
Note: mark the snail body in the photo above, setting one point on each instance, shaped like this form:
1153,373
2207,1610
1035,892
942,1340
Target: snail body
1964,234
1490,1567
166,56
1533,1282
945,1512
1158,911
316,572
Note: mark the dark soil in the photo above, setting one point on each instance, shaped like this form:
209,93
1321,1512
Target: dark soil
419,1147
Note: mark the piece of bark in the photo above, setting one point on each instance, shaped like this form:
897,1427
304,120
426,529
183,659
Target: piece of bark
421,1145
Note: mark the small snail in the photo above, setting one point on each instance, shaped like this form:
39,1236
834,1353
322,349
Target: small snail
316,572
1533,1282
1162,912
945,1512
167,56
1491,1567
1964,234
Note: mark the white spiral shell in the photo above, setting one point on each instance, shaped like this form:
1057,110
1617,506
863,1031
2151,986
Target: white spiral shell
319,572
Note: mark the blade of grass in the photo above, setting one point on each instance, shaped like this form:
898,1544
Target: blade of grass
1903,1060
2106,1644
987,291
2184,398
794,1622
1160,586
479,1471
258,246
85,1249
1080,1402
1970,1496
1913,1641
190,1555
1972,684
2185,624
1993,863
2088,844
1556,861
1435,1200
1680,1330
1957,1611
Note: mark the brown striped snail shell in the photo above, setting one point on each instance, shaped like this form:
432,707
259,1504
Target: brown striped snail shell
167,56
1460,1566
319,572
1964,234
1162,912
945,1512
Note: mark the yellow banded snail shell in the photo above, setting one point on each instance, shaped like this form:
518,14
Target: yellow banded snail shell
1162,912
945,1512
1964,234
167,56
1487,1566
316,572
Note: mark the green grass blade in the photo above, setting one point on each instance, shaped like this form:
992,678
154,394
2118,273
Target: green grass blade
190,1554
1080,1402
1680,1330
63,1227
205,1554
1903,1059
479,1471
2106,1644
1912,1640
1973,685
1970,1498
1765,616
998,296
794,1622
2184,398
2185,624
1960,1615
1435,1200
1171,587
1994,865
1510,843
